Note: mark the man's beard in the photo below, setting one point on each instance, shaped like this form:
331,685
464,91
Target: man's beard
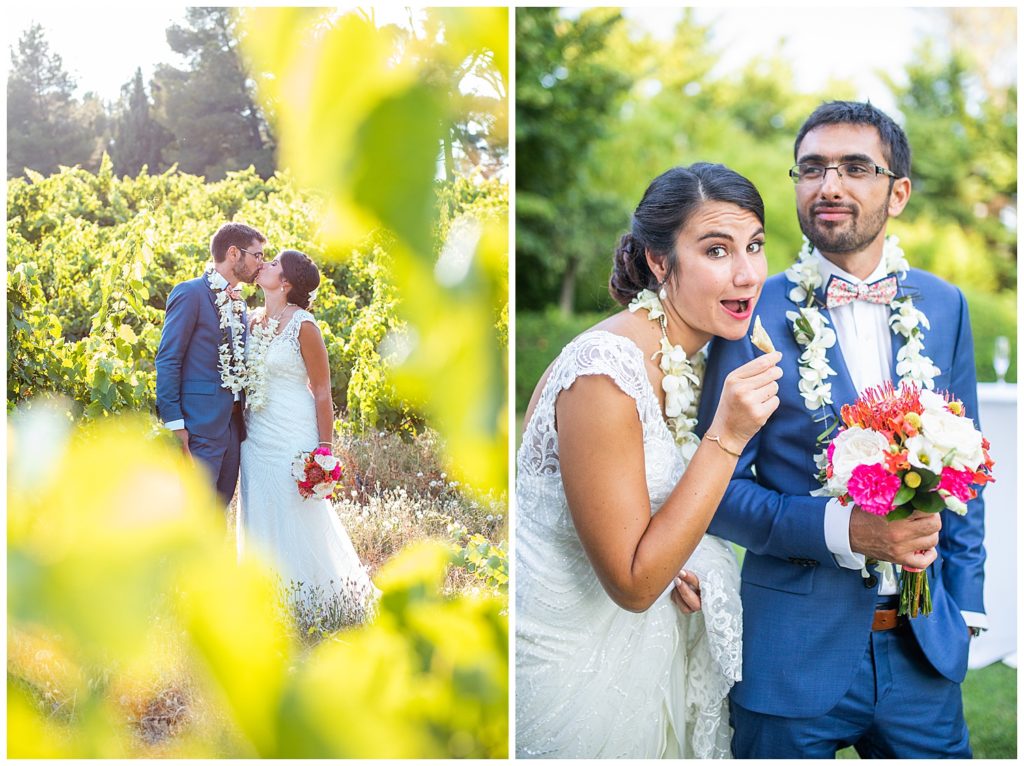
242,275
860,232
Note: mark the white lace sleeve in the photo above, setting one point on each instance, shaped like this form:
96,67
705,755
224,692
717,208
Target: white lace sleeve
593,353
291,332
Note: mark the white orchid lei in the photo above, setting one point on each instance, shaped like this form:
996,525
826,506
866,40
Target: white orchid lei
230,353
812,332
682,381
256,381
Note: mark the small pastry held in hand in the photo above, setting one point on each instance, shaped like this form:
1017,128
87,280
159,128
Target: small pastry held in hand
760,338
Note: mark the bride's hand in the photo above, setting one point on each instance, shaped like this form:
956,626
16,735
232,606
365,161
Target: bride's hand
749,397
686,592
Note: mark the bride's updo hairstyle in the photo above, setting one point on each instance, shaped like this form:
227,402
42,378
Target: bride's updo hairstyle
302,274
666,207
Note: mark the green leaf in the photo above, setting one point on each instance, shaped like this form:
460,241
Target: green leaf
126,333
928,502
899,513
824,434
403,197
903,496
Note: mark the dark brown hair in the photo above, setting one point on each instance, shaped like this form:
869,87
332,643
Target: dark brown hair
233,234
301,273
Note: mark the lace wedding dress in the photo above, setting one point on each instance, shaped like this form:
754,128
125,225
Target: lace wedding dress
592,679
302,539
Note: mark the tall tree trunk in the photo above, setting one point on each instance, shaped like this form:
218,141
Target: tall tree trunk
567,299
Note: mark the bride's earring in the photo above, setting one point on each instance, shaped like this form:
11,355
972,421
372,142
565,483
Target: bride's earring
663,293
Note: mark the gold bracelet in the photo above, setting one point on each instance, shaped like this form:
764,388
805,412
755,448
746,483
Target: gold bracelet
718,441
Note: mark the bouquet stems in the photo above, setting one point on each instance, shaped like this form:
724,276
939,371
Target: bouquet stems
915,595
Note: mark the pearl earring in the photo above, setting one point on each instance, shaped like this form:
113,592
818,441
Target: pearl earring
662,293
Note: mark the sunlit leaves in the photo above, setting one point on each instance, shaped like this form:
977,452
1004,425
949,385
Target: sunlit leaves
127,553
360,118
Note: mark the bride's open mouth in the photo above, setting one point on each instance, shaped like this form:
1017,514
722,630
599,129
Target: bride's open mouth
738,307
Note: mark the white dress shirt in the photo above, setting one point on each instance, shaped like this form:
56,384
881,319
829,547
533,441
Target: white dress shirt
865,340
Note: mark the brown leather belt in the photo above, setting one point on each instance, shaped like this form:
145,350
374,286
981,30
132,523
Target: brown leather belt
885,619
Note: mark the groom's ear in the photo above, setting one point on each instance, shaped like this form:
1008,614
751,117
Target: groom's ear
899,196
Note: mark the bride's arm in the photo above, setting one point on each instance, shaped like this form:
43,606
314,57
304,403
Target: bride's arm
601,454
314,354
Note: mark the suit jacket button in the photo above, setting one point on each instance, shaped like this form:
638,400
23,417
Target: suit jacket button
870,581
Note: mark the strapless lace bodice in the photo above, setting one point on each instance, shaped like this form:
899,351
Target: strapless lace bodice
592,679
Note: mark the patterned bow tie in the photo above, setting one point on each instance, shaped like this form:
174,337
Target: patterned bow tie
840,292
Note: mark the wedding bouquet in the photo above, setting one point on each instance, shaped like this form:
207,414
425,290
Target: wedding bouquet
317,473
905,450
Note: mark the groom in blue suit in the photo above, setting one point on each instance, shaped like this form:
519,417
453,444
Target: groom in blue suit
826,661
193,399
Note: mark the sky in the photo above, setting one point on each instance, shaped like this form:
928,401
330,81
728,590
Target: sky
810,37
102,45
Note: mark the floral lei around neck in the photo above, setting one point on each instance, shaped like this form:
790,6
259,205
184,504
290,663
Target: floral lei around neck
682,381
231,353
811,330
259,342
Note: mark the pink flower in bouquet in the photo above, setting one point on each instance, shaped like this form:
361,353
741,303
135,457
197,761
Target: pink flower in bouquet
957,483
873,488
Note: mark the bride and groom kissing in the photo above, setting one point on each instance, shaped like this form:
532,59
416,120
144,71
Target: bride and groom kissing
245,395
636,633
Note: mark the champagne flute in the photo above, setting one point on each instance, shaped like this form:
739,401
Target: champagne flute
1001,358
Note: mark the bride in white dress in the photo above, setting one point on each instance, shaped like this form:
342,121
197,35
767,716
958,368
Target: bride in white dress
628,622
288,410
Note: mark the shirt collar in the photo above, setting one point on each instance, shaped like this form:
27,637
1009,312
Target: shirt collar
829,270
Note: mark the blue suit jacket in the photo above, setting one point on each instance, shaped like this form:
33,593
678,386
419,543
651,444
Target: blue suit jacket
806,619
188,383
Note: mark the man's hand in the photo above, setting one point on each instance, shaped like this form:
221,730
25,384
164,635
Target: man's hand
182,434
900,542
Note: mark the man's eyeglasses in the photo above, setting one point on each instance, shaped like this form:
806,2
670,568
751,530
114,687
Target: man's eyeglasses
813,172
250,252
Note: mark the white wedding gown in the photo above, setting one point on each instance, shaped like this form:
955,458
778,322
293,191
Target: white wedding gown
592,679
301,539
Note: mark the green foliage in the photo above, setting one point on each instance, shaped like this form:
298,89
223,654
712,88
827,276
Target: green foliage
126,554
389,112
139,139
210,107
92,259
486,562
566,95
539,339
46,126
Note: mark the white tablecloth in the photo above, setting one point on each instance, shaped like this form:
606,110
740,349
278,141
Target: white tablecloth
998,413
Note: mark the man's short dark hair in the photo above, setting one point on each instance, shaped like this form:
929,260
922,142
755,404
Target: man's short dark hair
895,146
237,234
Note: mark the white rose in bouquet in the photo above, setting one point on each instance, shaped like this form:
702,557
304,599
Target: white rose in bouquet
327,462
854,447
956,434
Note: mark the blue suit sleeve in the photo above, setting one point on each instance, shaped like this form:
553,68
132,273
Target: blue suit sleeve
759,518
961,542
179,323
